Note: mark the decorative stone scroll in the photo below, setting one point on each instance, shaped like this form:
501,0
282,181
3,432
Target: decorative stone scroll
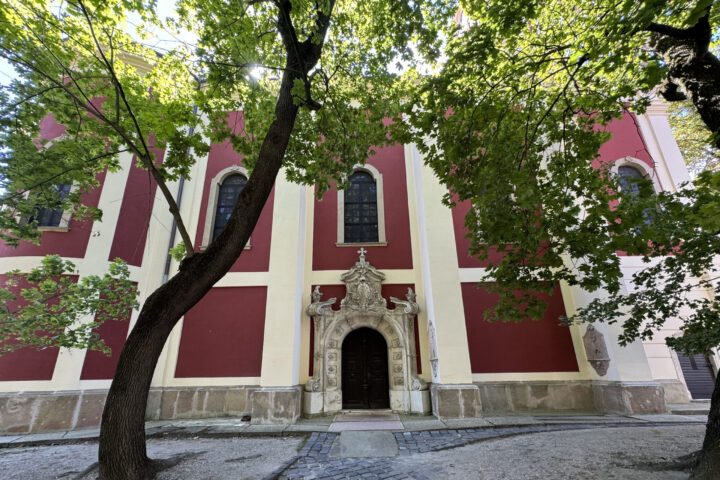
364,306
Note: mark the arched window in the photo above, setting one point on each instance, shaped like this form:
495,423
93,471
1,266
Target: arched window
53,217
227,197
628,176
361,209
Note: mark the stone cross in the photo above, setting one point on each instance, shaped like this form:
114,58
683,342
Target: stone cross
362,253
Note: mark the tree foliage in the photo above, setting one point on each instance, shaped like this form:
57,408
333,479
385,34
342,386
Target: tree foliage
50,307
512,122
693,138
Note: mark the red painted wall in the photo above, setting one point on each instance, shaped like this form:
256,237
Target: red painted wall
97,365
26,363
626,141
542,346
390,162
222,156
134,217
72,243
222,336
397,290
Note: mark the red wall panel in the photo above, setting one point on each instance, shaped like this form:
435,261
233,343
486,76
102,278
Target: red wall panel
97,365
397,290
626,141
390,162
134,218
222,336
27,363
222,156
528,346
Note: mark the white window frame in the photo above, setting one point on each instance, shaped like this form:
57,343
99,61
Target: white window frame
215,184
382,241
64,225
648,172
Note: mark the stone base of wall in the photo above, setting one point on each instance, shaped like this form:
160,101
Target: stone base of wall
276,405
675,391
499,398
27,412
199,402
456,400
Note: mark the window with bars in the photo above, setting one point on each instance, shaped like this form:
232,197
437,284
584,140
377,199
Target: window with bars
227,197
361,210
52,217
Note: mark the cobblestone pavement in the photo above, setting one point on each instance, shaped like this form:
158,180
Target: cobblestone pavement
314,463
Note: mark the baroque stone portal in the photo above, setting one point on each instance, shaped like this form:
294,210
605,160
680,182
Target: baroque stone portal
364,306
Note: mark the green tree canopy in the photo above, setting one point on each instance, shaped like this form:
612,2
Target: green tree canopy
511,121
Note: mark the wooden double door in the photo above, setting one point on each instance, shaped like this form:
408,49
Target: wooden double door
365,377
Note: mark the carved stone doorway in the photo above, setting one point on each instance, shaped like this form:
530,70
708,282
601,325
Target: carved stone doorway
364,308
365,379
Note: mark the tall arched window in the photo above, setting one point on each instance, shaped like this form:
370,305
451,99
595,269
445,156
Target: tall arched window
361,209
227,197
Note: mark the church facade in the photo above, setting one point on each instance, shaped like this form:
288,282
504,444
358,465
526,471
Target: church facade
364,299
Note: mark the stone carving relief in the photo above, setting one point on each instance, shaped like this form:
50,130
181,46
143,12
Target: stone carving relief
596,350
363,306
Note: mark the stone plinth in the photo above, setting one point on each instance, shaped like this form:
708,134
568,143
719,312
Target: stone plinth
456,400
276,405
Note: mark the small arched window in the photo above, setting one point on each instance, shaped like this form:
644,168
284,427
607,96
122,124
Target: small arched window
53,217
227,198
361,209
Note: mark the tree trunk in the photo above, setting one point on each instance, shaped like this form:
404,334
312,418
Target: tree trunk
122,453
693,70
708,467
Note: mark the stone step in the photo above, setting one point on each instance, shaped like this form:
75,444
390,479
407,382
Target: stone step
692,408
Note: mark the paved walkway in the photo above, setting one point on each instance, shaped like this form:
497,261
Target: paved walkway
385,446
227,427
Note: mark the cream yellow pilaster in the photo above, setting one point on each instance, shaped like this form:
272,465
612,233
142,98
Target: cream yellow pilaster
70,361
449,354
417,262
286,287
305,331
159,237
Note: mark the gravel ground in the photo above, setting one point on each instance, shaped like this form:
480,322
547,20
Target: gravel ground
202,458
627,453
635,453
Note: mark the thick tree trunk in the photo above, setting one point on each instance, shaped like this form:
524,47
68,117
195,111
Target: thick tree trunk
122,453
692,70
708,467
694,73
